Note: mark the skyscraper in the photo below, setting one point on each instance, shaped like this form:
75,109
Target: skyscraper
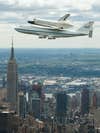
94,100
61,107
61,111
12,79
35,104
85,101
36,107
21,104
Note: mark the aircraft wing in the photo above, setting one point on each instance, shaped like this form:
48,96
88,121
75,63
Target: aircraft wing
63,18
53,27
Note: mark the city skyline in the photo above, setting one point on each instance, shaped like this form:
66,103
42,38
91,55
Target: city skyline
19,12
54,104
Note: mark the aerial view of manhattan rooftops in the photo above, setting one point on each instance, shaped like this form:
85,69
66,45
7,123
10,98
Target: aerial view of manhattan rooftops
49,66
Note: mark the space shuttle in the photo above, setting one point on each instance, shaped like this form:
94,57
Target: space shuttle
60,24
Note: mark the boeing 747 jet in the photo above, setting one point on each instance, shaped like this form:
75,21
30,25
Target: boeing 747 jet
56,29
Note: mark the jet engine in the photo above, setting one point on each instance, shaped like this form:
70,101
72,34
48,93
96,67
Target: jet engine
42,36
51,37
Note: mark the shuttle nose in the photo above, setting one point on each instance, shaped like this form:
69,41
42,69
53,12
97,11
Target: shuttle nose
31,22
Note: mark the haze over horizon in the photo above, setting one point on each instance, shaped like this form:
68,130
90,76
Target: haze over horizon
19,12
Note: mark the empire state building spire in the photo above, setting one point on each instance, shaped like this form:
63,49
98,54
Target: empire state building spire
12,51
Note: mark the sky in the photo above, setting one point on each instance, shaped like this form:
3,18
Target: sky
17,12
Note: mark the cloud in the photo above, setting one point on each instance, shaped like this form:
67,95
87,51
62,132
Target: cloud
83,4
79,4
21,10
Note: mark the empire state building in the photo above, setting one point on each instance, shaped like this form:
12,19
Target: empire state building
12,79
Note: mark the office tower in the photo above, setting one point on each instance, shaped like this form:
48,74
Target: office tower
78,97
12,79
61,107
38,89
74,103
34,104
36,107
21,104
85,101
3,82
4,123
49,107
94,100
98,98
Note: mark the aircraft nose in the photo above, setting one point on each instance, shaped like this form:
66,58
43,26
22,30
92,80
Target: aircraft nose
18,29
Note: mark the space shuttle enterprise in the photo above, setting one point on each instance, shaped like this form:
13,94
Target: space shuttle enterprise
56,29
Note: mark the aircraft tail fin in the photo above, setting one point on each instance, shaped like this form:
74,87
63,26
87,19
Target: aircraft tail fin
63,18
87,28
